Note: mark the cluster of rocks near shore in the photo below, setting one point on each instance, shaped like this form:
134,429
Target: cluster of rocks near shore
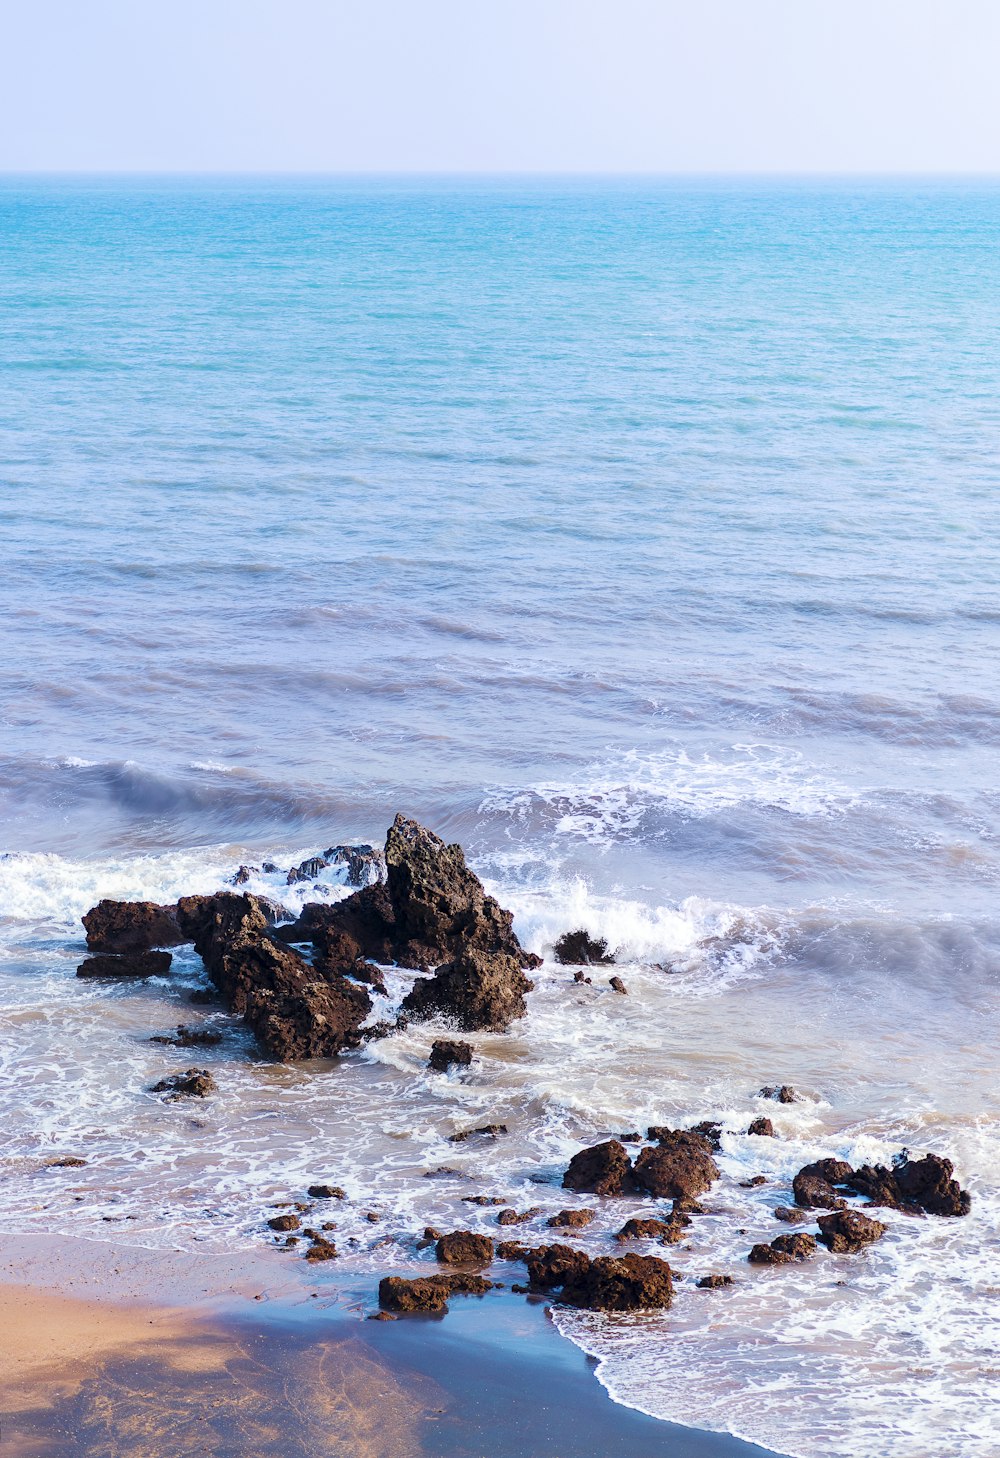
302,987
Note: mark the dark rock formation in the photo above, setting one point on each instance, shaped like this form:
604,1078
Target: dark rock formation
571,1219
186,1037
790,1214
428,1293
582,977
578,948
913,1184
445,1052
782,1093
753,1182
849,1230
307,871
813,1186
284,1222
621,1283
713,1282
604,1169
294,1012
785,1249
480,991
464,1248
131,926
762,1127
708,1129
321,1249
365,863
193,1083
490,1131
681,1166
325,1192
550,1266
617,985
512,1250
125,964
639,1229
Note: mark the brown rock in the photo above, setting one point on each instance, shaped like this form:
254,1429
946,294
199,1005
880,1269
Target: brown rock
813,1185
126,964
194,1083
617,985
491,1131
639,1229
714,1282
849,1230
913,1184
753,1183
621,1283
325,1192
571,1219
604,1169
463,1247
186,1037
708,1129
681,1165
428,1293
445,1052
480,991
781,1252
321,1249
783,1093
284,1222
790,1214
578,948
512,1250
550,1266
762,1127
131,926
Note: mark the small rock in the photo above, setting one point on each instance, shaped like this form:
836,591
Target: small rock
790,1214
604,1169
446,1051
708,1129
126,964
617,985
714,1282
325,1192
186,1037
582,977
321,1249
381,1316
753,1183
492,1130
783,1093
578,947
66,1161
782,1251
463,1247
644,1229
194,1083
762,1127
571,1219
284,1222
847,1231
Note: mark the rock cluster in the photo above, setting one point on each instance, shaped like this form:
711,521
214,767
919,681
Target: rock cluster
912,1185
607,1283
680,1166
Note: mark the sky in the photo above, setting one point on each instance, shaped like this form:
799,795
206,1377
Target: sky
500,85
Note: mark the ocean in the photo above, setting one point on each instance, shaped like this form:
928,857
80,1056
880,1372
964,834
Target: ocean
643,536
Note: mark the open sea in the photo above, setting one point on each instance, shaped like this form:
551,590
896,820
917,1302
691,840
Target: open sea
644,537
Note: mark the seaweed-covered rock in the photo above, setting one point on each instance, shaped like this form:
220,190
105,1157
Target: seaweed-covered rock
604,1169
784,1250
125,964
621,1283
446,1051
464,1247
131,926
846,1231
480,991
579,948
681,1165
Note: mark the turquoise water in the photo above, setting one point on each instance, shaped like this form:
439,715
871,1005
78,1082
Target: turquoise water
642,535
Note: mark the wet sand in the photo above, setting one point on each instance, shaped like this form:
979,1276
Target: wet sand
286,1372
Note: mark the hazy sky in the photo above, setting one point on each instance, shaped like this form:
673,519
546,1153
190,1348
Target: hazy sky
541,85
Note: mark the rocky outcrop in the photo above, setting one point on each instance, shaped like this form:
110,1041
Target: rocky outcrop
571,1219
445,1052
708,1129
913,1184
428,1293
680,1166
579,948
813,1186
295,1012
621,1283
131,926
847,1231
644,1229
604,1169
783,1251
480,991
125,964
365,863
464,1248
762,1127
550,1266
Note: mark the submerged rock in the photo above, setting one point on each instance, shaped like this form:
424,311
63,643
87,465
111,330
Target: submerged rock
782,1093
365,863
579,948
325,1192
131,926
849,1230
126,964
645,1229
186,1037
445,1052
617,985
681,1166
714,1282
603,1169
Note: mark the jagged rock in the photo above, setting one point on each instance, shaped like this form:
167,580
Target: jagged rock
512,1250
463,1247
491,1131
571,1219
243,874
550,1266
790,1214
782,1093
321,1249
445,1052
580,948
813,1185
365,864
620,1283
193,1083
481,991
308,870
681,1165
708,1129
713,1282
781,1252
428,1293
131,926
186,1037
640,1229
325,1192
913,1184
849,1230
604,1169
125,964
581,977
294,1013
284,1222
617,985
762,1127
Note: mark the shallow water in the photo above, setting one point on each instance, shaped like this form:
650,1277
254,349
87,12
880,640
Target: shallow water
641,536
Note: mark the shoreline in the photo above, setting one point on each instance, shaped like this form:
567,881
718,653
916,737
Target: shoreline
137,1356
